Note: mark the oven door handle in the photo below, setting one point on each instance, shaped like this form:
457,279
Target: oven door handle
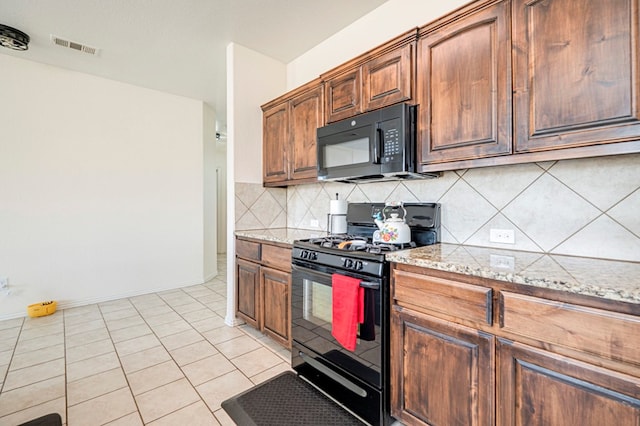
370,285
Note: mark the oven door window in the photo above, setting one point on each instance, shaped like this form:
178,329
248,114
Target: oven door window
317,303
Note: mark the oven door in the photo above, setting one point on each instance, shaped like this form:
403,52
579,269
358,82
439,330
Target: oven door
311,328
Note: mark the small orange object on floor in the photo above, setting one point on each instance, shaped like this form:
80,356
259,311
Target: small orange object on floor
41,309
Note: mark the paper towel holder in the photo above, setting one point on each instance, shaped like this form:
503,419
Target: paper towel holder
337,217
332,218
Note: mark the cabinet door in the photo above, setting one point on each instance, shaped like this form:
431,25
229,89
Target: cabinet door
306,115
576,73
441,373
343,95
248,291
275,142
537,388
388,79
464,88
276,320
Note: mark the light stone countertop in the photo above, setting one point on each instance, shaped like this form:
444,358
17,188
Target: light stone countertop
280,235
608,279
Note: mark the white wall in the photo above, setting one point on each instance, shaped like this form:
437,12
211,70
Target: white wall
101,187
221,190
252,79
256,79
382,24
210,222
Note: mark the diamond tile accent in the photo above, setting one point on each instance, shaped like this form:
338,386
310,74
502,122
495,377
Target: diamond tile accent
500,185
358,196
379,192
545,203
266,209
621,244
431,190
248,193
626,213
296,209
549,212
499,221
401,193
464,211
604,180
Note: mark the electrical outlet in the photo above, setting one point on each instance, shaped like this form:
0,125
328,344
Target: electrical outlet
502,262
314,223
4,282
504,236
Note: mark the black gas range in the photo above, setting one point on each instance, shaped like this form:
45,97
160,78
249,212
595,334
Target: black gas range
357,379
356,251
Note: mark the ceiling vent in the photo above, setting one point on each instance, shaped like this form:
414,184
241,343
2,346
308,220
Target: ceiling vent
59,41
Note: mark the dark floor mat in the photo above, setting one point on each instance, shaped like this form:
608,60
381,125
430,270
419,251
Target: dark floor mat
286,400
53,419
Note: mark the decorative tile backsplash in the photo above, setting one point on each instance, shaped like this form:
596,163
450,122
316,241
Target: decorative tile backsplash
586,207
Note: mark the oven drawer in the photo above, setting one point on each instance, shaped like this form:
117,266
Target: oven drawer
608,334
248,250
438,295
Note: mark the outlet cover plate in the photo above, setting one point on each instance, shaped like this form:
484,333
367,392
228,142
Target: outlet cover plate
502,262
4,282
503,236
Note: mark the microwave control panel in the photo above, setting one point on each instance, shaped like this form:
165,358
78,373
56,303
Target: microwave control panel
393,141
392,144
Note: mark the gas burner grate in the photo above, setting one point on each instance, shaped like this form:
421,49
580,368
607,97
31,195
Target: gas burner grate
384,247
333,241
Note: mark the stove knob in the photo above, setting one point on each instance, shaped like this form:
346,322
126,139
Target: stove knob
304,254
348,263
313,256
358,265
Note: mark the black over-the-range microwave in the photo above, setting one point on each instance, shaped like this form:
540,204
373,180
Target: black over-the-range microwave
371,147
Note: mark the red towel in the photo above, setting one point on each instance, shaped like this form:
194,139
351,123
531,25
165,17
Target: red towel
347,309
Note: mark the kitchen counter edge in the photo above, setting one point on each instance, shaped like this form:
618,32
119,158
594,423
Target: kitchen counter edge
607,279
279,235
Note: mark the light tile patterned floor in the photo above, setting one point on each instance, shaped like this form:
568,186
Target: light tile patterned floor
158,359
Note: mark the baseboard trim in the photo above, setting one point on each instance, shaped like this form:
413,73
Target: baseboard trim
67,304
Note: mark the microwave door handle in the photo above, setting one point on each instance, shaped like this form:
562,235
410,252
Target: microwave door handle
377,146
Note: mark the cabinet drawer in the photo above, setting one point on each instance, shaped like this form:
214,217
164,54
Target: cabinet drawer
608,334
276,257
248,250
453,298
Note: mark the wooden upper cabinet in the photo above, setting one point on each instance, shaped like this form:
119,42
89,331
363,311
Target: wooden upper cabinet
464,85
388,79
305,117
289,135
343,94
576,73
275,140
380,77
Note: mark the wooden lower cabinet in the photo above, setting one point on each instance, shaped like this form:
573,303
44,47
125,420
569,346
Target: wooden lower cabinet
441,373
276,316
539,388
248,291
263,288
547,358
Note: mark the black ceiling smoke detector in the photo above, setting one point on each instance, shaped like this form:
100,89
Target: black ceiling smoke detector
13,39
